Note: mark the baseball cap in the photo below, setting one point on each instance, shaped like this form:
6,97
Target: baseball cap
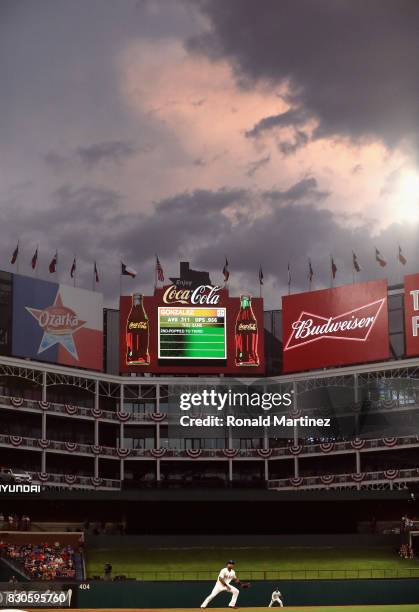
231,562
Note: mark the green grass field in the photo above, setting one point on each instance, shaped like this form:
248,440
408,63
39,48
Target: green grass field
267,563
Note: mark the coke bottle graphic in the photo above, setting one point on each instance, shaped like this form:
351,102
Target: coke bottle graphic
246,334
138,332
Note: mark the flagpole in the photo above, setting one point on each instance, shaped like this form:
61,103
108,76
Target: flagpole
94,277
331,271
289,279
17,260
155,274
75,270
37,260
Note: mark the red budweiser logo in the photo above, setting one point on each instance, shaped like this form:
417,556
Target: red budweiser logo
354,325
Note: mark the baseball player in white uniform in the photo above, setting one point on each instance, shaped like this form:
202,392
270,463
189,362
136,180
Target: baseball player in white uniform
276,598
225,577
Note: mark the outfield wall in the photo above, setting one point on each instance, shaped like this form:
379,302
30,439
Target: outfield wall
190,594
239,541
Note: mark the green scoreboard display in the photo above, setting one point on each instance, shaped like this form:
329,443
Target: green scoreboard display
192,333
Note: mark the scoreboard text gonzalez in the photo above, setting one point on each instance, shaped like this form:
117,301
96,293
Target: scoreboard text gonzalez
192,333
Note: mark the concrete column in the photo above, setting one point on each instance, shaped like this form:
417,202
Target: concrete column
44,461
44,386
44,425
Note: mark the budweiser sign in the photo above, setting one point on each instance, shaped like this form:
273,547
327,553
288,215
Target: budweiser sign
337,326
355,325
204,294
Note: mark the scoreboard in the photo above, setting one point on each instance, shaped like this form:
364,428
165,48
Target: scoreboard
192,333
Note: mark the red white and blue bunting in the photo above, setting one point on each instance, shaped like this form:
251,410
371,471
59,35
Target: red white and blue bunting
123,416
358,444
327,479
44,443
96,482
96,413
123,452
391,474
390,442
296,449
194,453
70,478
358,477
157,417
17,402
70,409
16,440
230,453
70,446
296,482
157,453
96,449
44,405
327,447
294,413
43,476
265,453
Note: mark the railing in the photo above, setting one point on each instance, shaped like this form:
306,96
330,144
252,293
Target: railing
292,574
74,480
72,410
338,480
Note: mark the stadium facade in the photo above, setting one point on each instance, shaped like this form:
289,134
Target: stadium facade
83,428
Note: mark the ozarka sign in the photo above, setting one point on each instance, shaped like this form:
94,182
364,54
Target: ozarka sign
338,326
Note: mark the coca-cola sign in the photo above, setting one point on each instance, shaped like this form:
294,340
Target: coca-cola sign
335,326
204,294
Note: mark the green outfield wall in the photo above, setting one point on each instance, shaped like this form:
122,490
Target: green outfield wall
190,594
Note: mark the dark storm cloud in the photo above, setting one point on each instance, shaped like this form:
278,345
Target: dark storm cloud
203,226
291,117
306,189
256,165
288,147
351,65
113,151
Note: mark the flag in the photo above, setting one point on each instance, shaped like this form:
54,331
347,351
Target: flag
53,263
127,271
334,267
96,273
73,268
355,262
379,258
402,258
15,254
34,259
226,271
260,275
159,271
310,271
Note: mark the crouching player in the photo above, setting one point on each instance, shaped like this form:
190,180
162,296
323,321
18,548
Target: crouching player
276,599
225,577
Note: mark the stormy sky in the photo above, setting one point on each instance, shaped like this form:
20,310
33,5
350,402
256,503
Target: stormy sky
265,131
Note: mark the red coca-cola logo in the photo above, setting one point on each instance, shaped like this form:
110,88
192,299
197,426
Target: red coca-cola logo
354,325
